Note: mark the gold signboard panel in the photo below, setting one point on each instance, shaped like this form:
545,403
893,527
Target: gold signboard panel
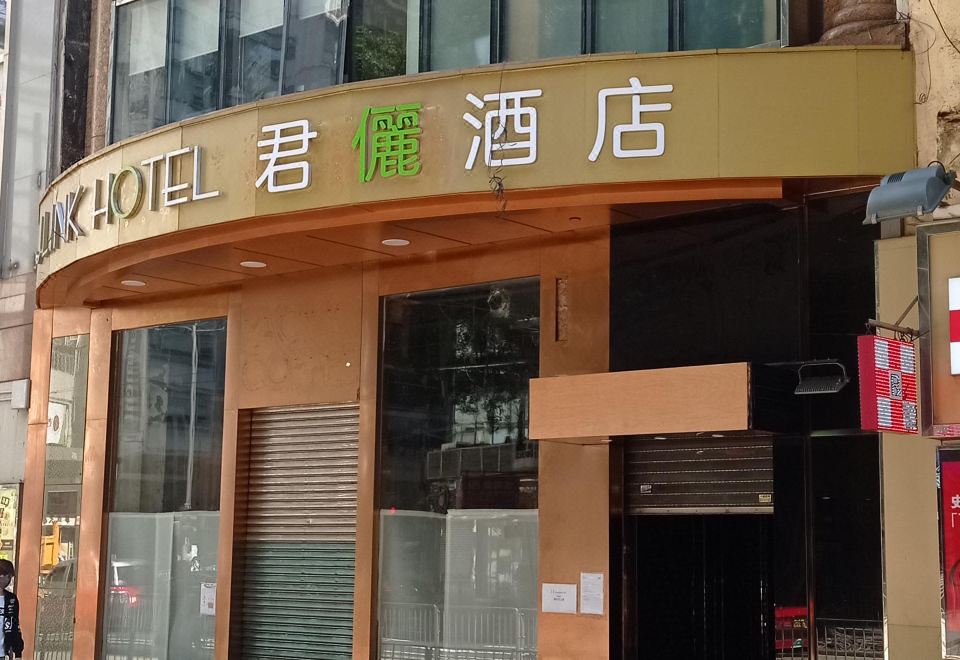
574,122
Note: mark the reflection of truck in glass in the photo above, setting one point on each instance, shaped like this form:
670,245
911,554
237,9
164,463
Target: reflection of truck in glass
49,548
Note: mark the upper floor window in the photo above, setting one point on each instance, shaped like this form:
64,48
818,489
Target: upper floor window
180,58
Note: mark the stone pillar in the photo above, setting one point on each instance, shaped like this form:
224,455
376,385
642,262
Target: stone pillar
862,22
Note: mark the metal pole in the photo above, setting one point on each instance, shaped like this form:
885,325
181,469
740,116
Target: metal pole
188,498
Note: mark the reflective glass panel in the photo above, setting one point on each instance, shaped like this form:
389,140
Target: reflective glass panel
63,471
534,29
459,34
379,40
458,474
195,62
641,26
313,45
258,59
3,24
728,23
165,500
140,71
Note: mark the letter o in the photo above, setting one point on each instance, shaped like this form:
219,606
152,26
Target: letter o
115,192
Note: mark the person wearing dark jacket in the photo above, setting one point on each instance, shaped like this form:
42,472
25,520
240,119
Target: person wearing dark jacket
9,614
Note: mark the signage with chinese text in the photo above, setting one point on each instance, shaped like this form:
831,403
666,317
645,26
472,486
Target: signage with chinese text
888,385
9,515
950,540
621,120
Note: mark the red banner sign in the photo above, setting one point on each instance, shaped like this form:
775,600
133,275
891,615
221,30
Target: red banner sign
888,384
950,529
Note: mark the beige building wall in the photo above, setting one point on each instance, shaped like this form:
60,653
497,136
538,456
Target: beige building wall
938,80
910,522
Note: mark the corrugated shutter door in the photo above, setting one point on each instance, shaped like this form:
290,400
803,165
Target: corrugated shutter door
295,534
698,475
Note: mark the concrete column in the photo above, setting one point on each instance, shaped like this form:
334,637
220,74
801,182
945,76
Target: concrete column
867,22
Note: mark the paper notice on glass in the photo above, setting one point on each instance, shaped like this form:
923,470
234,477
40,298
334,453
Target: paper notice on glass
208,598
559,598
591,593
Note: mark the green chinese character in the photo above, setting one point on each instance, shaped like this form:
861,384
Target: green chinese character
393,132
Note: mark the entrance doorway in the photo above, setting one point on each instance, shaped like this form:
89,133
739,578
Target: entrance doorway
701,587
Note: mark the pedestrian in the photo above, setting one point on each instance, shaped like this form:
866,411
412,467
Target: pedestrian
10,614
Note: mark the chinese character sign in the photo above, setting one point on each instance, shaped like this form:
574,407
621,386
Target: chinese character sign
954,304
950,537
509,129
286,141
388,139
636,125
888,385
9,514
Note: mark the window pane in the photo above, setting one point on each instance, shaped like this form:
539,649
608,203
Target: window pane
728,24
195,79
632,26
139,90
378,40
313,45
534,29
458,474
261,35
165,500
63,469
3,24
459,34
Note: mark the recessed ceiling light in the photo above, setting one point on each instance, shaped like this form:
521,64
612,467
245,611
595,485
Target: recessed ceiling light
253,264
395,242
575,218
136,283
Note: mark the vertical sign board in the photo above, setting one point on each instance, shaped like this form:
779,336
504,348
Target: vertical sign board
9,516
950,546
888,384
953,288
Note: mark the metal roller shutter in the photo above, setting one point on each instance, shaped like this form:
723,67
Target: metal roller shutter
698,475
295,533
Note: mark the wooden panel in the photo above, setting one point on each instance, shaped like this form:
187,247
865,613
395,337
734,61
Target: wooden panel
31,516
370,237
183,271
225,577
679,400
228,258
366,579
306,248
91,538
232,422
300,340
71,321
209,306
474,229
40,368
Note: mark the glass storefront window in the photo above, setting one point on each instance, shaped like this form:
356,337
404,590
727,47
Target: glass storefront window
534,29
312,55
195,61
729,24
261,36
458,474
140,71
228,52
164,504
459,34
629,26
378,40
63,472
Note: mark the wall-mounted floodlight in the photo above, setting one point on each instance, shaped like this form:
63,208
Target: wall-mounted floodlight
821,377
915,192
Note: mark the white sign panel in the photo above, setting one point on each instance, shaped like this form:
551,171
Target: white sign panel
591,593
559,598
208,598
